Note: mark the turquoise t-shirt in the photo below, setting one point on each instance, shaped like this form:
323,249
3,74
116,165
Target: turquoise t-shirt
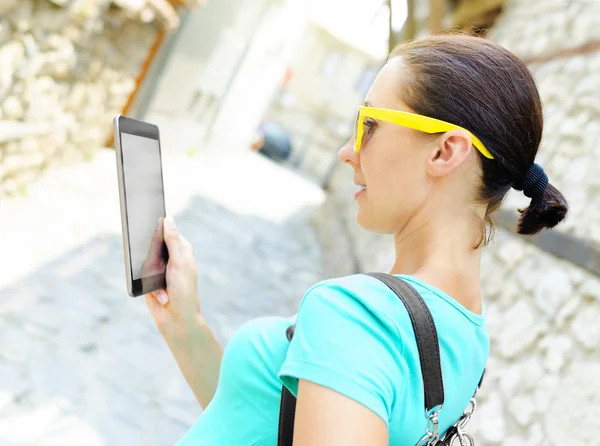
354,336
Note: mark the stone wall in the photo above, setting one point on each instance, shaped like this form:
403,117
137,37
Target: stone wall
543,312
541,387
63,77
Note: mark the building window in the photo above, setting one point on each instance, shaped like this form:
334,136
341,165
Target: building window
331,63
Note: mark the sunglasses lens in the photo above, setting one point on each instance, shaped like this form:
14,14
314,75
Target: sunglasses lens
356,120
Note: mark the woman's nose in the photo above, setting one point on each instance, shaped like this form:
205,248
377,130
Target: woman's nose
347,154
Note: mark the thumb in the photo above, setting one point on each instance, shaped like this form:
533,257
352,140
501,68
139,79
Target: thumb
171,235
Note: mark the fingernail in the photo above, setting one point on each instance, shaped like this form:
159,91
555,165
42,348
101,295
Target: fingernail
170,223
162,298
159,224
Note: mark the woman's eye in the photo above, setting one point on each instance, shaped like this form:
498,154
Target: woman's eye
369,124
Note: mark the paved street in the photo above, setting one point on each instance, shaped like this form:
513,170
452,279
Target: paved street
81,363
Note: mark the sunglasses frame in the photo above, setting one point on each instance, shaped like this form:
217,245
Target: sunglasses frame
410,120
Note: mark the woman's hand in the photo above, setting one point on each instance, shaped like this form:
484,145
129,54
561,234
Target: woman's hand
177,308
176,312
156,261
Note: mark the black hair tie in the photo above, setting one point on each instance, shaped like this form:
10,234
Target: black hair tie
534,183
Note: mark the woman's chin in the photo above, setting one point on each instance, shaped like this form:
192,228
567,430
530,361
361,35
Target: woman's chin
363,220
370,224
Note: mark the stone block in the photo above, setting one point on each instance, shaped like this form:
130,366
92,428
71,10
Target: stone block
516,440
510,379
27,177
77,34
494,423
12,56
522,409
558,350
56,42
6,6
590,288
60,63
585,327
569,416
76,97
494,280
521,329
536,434
523,275
20,16
29,146
5,30
544,392
12,108
10,187
566,311
511,252
123,88
541,44
50,20
553,289
11,163
41,85
531,371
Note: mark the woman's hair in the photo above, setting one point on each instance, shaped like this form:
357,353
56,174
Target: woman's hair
476,84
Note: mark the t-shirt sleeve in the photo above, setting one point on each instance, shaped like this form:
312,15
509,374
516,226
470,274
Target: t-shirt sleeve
346,344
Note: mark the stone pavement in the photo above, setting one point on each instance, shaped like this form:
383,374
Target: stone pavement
81,363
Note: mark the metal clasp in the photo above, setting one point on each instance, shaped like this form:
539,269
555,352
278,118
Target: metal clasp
432,435
464,438
467,414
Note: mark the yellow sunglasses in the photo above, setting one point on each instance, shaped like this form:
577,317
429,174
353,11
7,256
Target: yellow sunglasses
411,121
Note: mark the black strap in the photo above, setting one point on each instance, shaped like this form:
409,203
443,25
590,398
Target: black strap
426,336
287,408
427,344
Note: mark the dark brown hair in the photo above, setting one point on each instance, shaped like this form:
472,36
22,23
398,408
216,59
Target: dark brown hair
478,85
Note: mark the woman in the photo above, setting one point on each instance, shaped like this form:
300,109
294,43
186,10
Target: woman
433,184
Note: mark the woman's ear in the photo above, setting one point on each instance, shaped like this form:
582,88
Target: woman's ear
453,148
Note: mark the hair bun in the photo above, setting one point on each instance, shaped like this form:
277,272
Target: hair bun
545,211
534,182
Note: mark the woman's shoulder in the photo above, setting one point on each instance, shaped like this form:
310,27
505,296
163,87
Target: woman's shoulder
364,294
353,300
359,287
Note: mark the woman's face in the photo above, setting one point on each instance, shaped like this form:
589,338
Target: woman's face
392,161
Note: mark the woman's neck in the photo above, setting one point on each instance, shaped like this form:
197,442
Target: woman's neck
442,254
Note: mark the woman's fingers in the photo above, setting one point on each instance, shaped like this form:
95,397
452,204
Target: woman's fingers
154,263
172,238
155,298
157,240
162,297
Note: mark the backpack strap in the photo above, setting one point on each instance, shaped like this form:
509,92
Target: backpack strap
427,344
287,408
425,335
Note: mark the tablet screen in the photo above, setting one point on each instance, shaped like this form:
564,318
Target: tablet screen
144,197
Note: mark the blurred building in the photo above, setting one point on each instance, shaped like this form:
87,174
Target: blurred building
330,72
300,64
222,71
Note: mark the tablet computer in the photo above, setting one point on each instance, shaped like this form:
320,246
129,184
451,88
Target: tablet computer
141,192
